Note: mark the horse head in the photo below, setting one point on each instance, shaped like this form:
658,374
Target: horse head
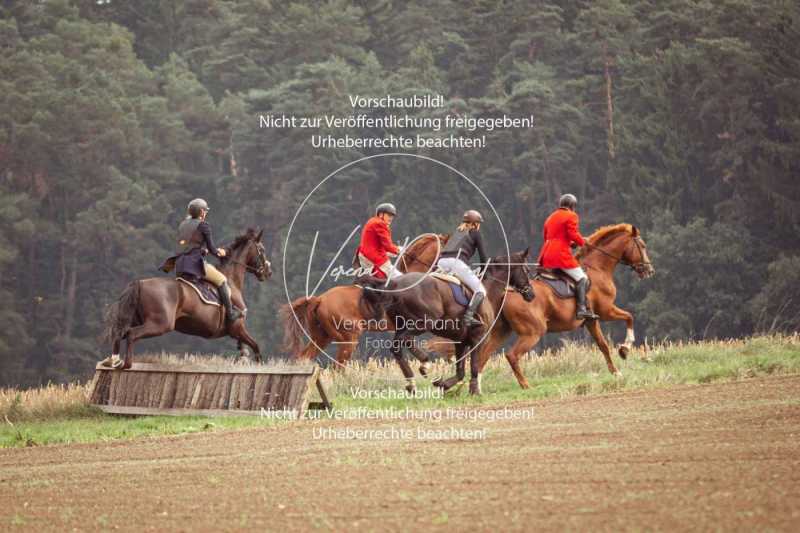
248,251
636,257
622,243
515,269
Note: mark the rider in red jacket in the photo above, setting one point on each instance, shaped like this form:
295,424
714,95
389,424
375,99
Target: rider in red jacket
376,243
560,233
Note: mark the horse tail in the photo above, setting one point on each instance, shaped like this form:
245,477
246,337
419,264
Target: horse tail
123,314
374,298
299,320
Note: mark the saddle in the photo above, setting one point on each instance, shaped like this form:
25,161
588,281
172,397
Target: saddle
560,283
206,290
461,293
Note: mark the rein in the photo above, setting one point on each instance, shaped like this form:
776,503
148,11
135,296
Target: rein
636,267
262,268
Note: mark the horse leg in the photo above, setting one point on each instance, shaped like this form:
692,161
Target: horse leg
345,351
526,340
447,384
422,357
243,336
497,336
475,371
243,351
152,327
593,326
397,352
615,313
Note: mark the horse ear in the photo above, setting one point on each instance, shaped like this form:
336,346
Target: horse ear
526,252
635,231
260,233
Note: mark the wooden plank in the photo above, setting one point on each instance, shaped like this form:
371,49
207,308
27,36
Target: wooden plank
202,369
323,394
259,391
134,410
167,391
246,392
162,390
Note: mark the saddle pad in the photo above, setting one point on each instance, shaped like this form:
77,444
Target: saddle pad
459,294
206,291
561,288
444,276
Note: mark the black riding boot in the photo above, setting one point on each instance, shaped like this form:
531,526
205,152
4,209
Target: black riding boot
231,313
580,295
469,315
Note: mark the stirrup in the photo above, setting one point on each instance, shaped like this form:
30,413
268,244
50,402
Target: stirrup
586,314
474,320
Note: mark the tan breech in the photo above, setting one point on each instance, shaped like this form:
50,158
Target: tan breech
213,275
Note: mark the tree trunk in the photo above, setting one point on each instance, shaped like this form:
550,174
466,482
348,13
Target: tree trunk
609,105
69,303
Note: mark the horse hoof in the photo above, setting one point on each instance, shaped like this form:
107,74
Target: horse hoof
474,388
455,390
623,351
423,370
525,385
438,383
618,374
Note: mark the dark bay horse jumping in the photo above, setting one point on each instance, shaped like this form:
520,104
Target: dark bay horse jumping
417,303
605,249
155,306
311,324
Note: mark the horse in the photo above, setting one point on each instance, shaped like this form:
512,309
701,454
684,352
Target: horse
310,324
155,306
604,250
417,303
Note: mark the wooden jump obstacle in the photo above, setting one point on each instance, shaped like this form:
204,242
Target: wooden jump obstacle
192,389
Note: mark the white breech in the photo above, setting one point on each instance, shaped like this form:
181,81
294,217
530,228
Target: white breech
576,273
460,270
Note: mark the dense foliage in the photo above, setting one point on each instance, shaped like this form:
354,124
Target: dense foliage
681,116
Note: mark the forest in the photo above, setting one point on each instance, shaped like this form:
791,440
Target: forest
679,116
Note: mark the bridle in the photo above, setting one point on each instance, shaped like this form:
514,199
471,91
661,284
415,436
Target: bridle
263,262
523,291
640,267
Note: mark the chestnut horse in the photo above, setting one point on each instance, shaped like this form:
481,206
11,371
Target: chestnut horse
337,316
604,250
155,306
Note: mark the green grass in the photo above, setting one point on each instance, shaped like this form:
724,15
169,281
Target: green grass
60,413
100,427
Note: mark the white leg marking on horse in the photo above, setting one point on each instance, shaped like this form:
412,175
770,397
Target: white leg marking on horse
629,337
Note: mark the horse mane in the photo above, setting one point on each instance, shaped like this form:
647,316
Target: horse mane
423,241
602,233
238,242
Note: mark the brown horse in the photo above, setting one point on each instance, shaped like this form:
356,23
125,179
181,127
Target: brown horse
310,324
155,306
605,249
417,303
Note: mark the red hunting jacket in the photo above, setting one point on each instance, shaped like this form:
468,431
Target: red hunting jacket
376,241
560,230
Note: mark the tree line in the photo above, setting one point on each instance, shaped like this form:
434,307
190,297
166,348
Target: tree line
679,116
